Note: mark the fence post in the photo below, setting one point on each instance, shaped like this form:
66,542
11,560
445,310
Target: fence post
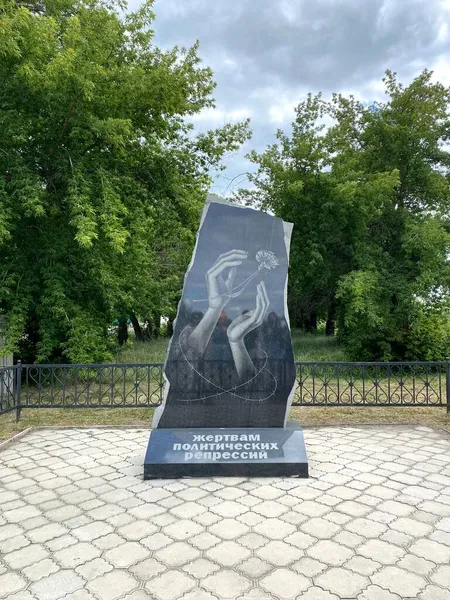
18,390
447,383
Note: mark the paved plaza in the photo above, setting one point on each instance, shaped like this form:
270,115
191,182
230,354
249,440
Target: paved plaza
372,523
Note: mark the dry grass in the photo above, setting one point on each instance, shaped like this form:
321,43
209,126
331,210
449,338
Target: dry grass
306,416
73,417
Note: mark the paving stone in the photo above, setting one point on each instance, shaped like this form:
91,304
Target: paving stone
300,540
275,529
320,528
431,550
14,543
285,584
294,518
23,558
250,500
94,568
57,585
21,514
205,519
433,592
442,537
147,569
201,568
267,492
24,595
228,553
366,528
399,581
63,514
229,529
205,540
279,553
330,552
417,565
374,592
179,530
177,554
250,518
441,576
41,569
112,585
111,540
252,540
317,593
75,555
362,565
199,594
187,510
308,566
381,552
411,527
397,538
230,493
10,583
91,532
156,541
229,508
47,532
270,508
254,567
172,585
343,582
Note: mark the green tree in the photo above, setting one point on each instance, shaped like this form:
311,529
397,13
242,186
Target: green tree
369,197
101,176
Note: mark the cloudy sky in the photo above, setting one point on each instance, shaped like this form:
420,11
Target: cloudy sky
268,54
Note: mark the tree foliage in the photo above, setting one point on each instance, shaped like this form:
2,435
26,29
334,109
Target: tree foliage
101,176
367,188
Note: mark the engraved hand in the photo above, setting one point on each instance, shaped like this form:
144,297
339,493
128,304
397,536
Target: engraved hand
246,323
218,287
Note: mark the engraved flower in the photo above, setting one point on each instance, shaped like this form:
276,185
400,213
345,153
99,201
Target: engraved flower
266,259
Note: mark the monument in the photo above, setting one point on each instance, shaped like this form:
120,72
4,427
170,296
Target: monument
230,368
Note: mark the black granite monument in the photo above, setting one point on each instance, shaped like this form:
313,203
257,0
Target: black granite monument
230,367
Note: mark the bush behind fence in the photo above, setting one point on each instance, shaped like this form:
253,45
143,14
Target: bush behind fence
142,385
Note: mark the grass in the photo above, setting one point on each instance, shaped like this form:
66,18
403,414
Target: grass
142,417
144,352
306,348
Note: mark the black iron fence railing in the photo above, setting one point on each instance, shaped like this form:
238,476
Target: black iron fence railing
142,385
9,388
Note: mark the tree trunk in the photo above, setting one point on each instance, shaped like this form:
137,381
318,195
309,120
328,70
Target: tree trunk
156,324
311,323
137,328
122,332
330,323
170,328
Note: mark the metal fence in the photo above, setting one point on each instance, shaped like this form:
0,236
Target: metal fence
9,388
142,385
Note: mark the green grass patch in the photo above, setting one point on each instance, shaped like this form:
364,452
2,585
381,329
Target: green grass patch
307,347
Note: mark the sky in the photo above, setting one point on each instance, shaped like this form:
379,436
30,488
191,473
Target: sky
268,54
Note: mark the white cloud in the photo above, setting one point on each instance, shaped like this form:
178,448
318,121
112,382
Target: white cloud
268,54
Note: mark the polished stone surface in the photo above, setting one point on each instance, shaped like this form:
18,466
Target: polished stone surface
257,452
230,361
372,523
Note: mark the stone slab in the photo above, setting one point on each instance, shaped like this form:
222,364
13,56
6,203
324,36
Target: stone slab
257,452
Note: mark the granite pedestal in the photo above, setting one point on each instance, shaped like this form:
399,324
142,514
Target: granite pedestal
246,452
